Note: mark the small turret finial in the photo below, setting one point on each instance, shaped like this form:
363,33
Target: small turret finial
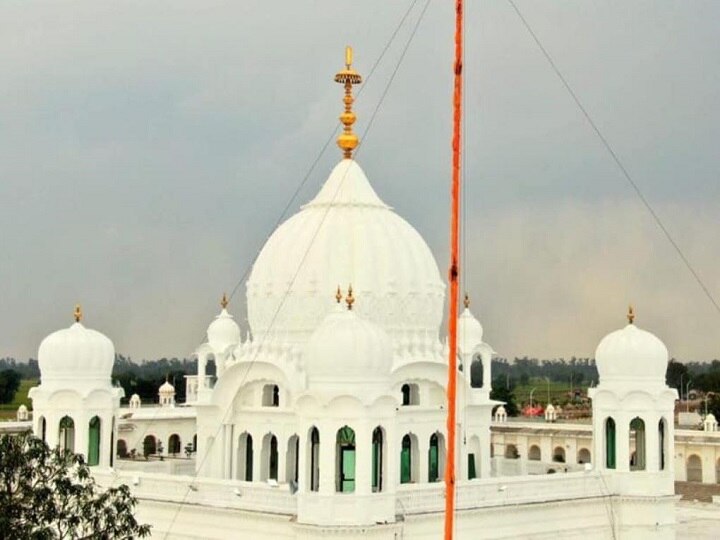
466,302
347,140
224,301
338,295
350,299
78,314
631,314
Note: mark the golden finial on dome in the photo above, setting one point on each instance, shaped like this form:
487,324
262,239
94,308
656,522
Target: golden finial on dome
78,314
350,299
631,314
338,295
224,301
347,140
466,301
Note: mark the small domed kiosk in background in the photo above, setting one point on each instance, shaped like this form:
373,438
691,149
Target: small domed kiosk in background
633,410
166,394
75,406
22,413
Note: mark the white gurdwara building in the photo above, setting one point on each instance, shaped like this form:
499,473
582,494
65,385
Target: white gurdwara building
328,420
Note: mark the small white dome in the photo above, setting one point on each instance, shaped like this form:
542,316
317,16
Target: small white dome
550,408
223,332
347,348
469,332
631,353
501,410
134,398
166,388
76,354
22,408
710,419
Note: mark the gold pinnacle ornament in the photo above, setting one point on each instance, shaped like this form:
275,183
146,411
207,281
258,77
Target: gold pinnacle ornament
467,301
631,314
338,294
78,314
350,299
224,301
347,140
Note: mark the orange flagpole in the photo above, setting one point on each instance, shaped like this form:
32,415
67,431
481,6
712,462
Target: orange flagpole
454,273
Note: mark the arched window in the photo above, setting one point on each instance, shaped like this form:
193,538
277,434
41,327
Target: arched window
345,459
476,372
194,443
291,459
314,462
435,457
511,452
112,442
473,457
534,453
694,468
149,445
245,457
662,427
610,455
271,395
408,459
410,394
717,471
67,434
43,429
93,455
637,444
559,454
122,450
378,459
174,445
269,457
584,456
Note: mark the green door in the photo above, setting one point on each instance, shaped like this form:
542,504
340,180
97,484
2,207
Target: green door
347,466
405,461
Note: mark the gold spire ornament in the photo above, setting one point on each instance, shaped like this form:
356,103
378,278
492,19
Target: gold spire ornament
224,301
78,314
466,301
350,299
347,140
631,314
338,295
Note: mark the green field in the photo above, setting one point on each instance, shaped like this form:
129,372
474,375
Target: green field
558,392
8,410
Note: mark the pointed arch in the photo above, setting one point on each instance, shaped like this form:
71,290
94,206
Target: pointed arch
174,444
93,453
378,459
345,460
313,464
637,444
245,457
66,429
610,438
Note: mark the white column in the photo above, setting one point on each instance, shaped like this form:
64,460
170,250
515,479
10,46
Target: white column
81,434
202,362
622,443
423,448
282,444
328,439
105,440
257,456
652,444
363,460
487,374
303,459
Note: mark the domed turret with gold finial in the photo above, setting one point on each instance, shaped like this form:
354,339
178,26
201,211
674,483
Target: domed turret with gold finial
348,140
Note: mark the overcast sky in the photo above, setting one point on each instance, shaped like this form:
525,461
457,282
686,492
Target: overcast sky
147,148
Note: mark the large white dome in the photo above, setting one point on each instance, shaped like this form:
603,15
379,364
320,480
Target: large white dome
631,354
76,354
348,348
346,235
469,332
